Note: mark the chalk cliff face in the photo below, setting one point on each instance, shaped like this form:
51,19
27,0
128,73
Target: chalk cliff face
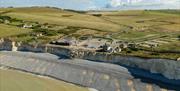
6,44
101,76
166,67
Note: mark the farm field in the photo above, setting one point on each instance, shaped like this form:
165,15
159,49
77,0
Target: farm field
11,80
61,17
139,23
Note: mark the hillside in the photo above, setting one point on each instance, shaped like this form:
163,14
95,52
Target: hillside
61,17
140,27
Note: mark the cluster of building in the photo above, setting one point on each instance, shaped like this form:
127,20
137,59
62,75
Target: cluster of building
104,45
100,45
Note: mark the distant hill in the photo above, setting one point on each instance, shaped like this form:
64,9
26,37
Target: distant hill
169,11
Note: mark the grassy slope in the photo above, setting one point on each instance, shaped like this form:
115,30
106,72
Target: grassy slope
55,16
129,18
144,23
6,30
110,21
16,81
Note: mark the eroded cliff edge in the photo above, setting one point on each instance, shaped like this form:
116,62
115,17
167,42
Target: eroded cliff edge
101,76
168,71
168,68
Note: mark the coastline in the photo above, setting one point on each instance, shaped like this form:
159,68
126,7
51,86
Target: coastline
75,68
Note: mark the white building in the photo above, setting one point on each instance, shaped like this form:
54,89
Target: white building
27,26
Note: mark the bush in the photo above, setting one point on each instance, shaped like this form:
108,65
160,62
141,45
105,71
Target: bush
51,33
5,17
1,21
154,53
134,49
16,20
97,15
64,31
127,50
36,27
46,32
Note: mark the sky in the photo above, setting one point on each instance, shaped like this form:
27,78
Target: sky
95,4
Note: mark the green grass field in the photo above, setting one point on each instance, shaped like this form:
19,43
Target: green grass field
6,30
141,21
11,80
60,17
